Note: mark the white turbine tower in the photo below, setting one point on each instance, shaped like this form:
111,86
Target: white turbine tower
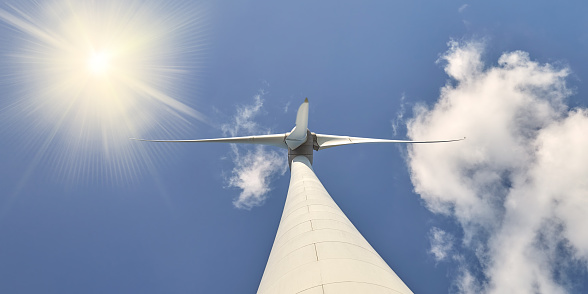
317,249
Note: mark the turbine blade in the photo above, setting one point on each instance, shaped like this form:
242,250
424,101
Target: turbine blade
328,141
269,140
298,135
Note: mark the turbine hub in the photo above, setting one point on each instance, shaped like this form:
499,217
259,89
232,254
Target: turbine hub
305,149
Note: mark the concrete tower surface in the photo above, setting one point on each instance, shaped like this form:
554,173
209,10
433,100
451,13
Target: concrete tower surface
318,250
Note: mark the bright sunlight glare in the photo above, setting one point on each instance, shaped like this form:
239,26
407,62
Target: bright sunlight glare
99,63
88,75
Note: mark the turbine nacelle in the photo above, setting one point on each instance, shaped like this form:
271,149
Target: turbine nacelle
300,141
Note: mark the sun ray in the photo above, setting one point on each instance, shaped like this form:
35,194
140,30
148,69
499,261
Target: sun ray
87,75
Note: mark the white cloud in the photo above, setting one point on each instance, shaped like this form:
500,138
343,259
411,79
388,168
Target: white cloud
255,166
252,174
462,8
517,186
441,243
243,122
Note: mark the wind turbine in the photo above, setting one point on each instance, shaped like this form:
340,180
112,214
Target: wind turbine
317,249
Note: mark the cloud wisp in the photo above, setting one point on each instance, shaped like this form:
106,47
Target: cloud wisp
254,166
441,244
517,186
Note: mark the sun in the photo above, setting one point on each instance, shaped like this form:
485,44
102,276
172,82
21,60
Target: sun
99,63
94,73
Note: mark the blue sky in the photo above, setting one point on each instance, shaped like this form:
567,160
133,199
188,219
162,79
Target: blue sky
508,75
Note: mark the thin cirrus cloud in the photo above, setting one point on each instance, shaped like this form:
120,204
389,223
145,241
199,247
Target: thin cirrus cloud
517,186
254,166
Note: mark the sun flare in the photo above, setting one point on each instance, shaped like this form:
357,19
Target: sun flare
99,63
91,74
